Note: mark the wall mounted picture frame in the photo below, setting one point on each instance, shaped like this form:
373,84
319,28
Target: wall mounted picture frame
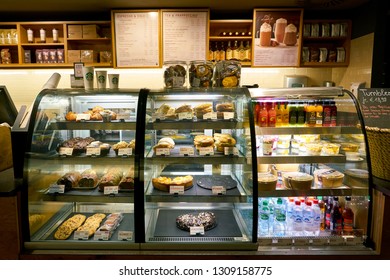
277,37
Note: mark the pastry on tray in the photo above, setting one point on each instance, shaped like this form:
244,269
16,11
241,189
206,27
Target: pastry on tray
206,219
164,183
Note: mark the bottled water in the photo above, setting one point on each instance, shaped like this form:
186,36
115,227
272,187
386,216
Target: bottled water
317,217
290,215
264,219
279,227
271,207
298,218
308,220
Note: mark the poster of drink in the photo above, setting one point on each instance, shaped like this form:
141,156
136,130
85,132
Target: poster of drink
277,37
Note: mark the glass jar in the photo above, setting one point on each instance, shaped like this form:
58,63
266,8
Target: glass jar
227,74
175,74
201,73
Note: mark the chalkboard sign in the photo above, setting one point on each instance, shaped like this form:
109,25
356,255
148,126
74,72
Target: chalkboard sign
375,106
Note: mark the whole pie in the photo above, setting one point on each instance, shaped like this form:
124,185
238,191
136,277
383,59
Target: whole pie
202,219
164,183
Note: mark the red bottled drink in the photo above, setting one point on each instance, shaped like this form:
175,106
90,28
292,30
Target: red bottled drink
257,112
263,116
336,224
272,116
348,217
329,207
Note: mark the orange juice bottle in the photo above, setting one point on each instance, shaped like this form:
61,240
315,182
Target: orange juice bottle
263,116
279,114
285,114
310,114
319,112
272,115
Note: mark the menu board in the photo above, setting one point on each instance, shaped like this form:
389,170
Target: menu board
185,35
137,40
375,106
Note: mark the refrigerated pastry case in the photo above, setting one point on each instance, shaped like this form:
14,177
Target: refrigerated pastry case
197,170
315,156
80,170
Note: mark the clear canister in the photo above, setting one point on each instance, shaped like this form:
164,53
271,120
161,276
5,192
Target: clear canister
201,73
175,74
227,73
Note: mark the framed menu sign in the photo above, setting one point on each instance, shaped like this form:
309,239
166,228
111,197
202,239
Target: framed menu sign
375,106
137,38
277,37
184,34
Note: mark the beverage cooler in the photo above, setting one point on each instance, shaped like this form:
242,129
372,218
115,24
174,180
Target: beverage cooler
265,171
313,171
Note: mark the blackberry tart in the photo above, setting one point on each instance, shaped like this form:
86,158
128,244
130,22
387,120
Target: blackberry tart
206,219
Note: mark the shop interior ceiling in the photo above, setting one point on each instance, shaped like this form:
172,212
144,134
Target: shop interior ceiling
99,6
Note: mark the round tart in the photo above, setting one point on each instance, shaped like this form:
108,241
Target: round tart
164,183
202,219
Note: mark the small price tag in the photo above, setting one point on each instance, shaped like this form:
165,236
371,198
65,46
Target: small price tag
65,151
83,117
196,230
210,116
163,151
351,241
185,116
122,116
228,115
176,189
101,235
218,190
285,241
206,151
111,190
187,151
92,151
54,188
178,82
81,235
125,152
231,151
125,235
301,242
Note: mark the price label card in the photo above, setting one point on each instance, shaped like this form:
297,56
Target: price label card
101,235
231,151
125,235
83,117
206,151
319,242
187,151
163,151
218,190
125,152
81,235
301,242
185,116
65,151
196,230
54,188
351,241
111,190
210,116
176,189
285,241
336,241
123,116
92,151
228,115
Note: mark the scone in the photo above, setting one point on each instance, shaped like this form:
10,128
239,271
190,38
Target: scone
223,140
184,109
203,109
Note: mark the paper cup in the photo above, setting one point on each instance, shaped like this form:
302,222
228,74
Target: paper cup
113,80
88,74
101,79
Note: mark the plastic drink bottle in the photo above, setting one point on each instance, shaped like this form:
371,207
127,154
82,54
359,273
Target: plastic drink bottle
279,114
348,217
336,224
263,116
264,219
298,218
279,226
316,217
308,219
272,116
290,215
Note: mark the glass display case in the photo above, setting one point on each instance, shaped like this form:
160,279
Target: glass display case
197,169
80,170
313,172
